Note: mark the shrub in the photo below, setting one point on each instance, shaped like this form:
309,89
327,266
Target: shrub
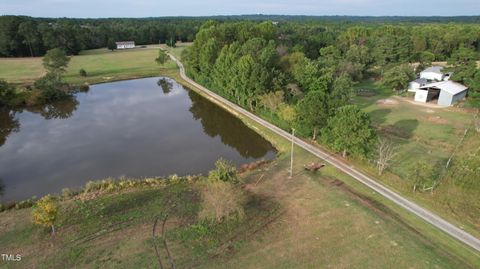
82,72
68,193
84,87
221,201
25,203
224,171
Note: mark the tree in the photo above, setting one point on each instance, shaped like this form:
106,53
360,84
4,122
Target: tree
45,212
312,113
29,32
385,154
397,77
271,100
342,92
162,57
350,132
111,45
56,61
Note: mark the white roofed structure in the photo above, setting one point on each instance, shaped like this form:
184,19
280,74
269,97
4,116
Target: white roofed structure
448,92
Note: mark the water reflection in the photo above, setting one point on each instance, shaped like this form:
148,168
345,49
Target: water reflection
218,122
165,84
8,124
130,128
58,110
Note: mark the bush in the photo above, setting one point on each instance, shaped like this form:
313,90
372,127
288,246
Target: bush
68,193
221,201
7,92
224,171
82,72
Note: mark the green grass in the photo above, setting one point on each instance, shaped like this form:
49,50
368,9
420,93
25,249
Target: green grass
101,65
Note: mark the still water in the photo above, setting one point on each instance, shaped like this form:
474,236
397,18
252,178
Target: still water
132,128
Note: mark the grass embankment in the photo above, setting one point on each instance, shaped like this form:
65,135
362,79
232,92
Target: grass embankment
313,220
101,65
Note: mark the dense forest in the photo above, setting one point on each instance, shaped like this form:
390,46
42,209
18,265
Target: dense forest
22,36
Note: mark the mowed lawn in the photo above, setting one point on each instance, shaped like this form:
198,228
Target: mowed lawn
101,65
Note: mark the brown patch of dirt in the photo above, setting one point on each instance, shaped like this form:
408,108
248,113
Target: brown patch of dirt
387,102
436,120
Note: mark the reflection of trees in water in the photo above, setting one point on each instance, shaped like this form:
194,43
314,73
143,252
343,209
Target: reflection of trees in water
8,124
62,109
2,188
165,84
232,131
58,110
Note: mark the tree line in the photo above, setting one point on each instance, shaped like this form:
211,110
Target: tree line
26,36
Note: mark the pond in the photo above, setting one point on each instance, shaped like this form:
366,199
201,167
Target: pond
136,128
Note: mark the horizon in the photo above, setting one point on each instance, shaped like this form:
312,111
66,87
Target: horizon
251,14
211,8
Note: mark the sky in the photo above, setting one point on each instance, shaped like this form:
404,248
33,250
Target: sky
158,8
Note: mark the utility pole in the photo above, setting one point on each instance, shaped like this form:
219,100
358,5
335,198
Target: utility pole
291,154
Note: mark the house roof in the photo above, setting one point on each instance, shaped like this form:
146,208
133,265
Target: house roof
448,86
125,43
434,69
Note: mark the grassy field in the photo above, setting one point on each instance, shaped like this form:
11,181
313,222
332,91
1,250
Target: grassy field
422,134
313,220
101,65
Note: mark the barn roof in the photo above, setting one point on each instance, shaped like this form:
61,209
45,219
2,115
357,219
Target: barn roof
421,81
448,86
434,69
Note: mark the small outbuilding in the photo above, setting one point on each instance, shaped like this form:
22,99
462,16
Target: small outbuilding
433,73
413,86
447,92
125,45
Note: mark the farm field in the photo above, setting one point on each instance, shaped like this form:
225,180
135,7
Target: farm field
101,65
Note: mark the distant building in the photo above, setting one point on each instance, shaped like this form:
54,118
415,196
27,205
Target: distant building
447,92
433,73
125,45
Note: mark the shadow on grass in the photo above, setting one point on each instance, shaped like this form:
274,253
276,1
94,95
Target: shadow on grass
403,129
406,127
379,116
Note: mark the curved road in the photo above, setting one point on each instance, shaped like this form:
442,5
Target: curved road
421,212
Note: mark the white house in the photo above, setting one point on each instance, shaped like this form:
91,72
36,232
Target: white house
125,45
413,86
447,92
433,73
